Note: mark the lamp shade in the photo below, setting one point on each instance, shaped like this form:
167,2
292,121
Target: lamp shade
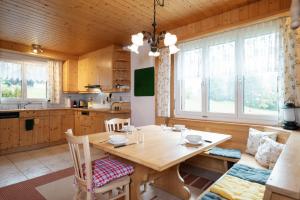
134,48
173,49
137,39
170,39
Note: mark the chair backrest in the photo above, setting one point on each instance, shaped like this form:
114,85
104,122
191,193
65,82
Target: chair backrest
116,124
74,143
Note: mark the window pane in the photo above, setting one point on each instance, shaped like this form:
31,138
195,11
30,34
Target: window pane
11,82
260,75
221,89
190,76
37,78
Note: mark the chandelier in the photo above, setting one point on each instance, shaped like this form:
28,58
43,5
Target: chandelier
154,38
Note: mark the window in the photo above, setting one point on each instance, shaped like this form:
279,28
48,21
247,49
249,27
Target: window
191,79
260,76
11,79
231,76
221,67
23,80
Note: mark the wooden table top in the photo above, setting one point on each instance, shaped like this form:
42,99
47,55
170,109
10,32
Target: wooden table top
160,149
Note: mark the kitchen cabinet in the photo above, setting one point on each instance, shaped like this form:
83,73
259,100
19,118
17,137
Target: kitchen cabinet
95,68
55,128
68,122
70,76
108,67
40,132
9,133
60,121
88,122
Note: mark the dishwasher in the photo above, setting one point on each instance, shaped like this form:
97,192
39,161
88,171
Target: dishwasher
9,115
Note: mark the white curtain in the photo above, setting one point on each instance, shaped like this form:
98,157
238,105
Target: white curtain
55,82
163,84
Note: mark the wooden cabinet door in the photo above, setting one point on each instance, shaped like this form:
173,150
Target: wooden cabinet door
83,70
41,130
9,133
55,128
67,123
26,137
97,123
70,76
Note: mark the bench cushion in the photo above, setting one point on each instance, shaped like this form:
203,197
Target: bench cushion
231,187
250,161
211,196
249,173
230,153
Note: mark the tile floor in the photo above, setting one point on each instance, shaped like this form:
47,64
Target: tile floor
22,166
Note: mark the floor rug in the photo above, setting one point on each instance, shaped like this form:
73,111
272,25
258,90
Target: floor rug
27,189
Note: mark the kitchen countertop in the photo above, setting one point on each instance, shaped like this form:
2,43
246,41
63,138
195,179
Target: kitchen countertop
105,110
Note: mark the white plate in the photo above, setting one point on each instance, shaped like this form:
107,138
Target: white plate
118,142
194,143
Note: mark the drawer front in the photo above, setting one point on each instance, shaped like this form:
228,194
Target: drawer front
34,113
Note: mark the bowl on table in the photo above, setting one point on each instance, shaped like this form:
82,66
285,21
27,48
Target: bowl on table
178,127
193,139
117,139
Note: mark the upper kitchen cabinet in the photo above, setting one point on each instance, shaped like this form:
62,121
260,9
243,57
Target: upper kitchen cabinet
108,67
70,76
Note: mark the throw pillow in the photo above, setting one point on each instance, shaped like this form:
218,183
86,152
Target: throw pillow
268,152
254,139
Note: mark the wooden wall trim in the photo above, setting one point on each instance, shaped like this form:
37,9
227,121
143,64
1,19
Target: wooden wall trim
252,13
26,49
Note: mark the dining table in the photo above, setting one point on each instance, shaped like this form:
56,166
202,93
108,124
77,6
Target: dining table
156,153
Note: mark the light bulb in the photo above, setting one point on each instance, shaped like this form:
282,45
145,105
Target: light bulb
154,54
173,49
134,48
138,39
170,39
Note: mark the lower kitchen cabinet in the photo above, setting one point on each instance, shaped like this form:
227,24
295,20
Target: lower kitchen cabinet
39,133
55,128
60,121
9,133
88,122
49,127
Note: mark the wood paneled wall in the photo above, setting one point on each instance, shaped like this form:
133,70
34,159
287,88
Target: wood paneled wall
26,49
252,13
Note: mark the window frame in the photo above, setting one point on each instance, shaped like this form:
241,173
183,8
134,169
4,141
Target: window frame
23,97
239,115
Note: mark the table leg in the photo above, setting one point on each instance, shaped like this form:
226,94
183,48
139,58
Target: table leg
139,176
172,182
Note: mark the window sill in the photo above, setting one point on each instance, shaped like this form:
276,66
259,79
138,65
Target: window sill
231,119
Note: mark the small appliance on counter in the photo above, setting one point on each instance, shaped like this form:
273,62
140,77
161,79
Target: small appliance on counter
68,102
82,104
74,104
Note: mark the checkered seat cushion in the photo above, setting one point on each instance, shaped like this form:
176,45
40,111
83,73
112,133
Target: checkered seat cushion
107,169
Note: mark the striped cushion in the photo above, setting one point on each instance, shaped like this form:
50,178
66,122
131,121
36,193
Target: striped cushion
106,170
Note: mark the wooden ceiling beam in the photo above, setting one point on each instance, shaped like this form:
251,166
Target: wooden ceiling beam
26,49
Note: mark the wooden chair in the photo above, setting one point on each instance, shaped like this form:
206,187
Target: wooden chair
85,177
116,124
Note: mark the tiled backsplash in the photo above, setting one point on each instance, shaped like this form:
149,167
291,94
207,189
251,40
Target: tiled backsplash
97,98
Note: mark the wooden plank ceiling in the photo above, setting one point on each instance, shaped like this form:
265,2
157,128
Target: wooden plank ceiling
80,26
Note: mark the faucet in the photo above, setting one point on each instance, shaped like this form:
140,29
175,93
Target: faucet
24,106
